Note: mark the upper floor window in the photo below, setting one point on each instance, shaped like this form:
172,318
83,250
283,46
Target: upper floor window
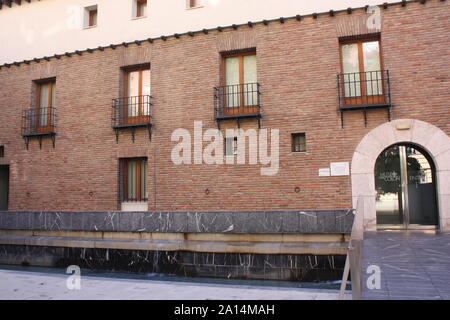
90,16
137,94
139,8
240,68
46,93
240,80
361,68
194,4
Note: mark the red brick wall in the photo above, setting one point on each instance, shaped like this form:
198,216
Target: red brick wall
297,67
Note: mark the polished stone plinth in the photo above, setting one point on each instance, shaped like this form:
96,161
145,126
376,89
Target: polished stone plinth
243,222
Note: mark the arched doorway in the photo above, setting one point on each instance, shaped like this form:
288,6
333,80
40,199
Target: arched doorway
428,139
405,177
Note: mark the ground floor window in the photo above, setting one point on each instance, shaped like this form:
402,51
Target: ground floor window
298,142
231,146
134,179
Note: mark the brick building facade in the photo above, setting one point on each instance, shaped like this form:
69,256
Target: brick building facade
297,66
298,60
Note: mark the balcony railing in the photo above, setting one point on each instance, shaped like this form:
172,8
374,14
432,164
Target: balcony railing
131,111
38,121
360,90
240,100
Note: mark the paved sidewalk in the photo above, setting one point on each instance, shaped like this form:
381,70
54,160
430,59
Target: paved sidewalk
413,265
20,284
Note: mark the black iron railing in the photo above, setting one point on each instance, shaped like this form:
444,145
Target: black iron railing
38,121
131,111
240,100
364,89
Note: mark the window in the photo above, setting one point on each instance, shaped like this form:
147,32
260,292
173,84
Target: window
362,68
2,151
139,8
46,95
231,146
298,142
240,80
194,4
134,179
90,16
137,94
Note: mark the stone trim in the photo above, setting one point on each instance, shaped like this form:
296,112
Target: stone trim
314,248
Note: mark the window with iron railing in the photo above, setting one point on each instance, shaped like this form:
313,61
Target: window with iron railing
134,108
363,80
38,121
371,88
240,94
41,118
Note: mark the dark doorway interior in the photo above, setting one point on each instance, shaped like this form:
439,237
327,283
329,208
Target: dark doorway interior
4,187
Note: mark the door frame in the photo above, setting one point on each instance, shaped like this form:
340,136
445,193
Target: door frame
405,193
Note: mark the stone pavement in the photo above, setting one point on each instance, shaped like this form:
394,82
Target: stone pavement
19,284
414,265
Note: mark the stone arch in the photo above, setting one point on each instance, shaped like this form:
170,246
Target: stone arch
427,136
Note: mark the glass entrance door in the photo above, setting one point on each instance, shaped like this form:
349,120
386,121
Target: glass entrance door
405,184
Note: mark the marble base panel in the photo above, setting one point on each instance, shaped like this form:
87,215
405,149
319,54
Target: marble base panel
243,222
185,264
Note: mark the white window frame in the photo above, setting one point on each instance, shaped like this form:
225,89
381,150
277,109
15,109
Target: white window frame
200,4
134,10
86,16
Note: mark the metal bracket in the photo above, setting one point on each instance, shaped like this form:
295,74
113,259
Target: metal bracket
27,141
53,137
149,128
40,137
117,135
133,133
238,122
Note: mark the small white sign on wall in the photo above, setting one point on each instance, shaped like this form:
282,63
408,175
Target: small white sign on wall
325,172
340,169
